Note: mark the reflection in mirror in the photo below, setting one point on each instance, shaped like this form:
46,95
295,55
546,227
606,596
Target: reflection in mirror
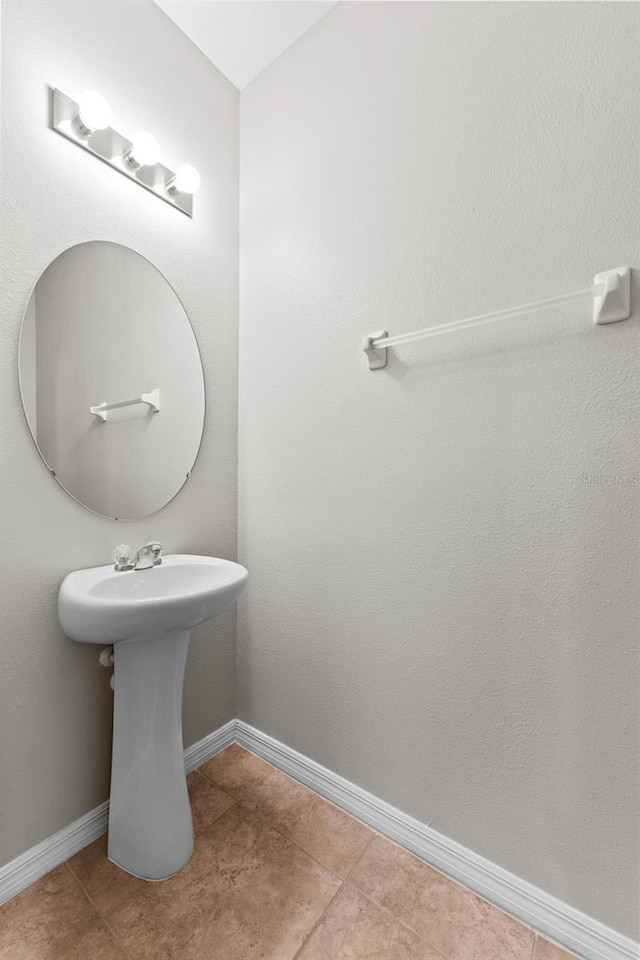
103,326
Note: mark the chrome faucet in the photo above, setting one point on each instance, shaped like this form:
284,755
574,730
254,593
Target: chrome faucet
148,556
143,559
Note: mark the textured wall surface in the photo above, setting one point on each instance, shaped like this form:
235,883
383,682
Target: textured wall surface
441,608
55,701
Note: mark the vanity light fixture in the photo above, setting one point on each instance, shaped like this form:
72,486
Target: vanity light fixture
86,122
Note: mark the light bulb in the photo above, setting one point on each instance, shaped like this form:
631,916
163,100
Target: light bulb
94,113
186,180
144,151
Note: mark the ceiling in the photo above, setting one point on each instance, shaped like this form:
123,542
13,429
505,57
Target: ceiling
241,38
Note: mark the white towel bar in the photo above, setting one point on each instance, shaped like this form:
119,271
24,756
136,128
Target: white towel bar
610,293
152,399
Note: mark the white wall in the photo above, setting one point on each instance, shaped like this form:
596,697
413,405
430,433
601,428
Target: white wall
440,608
55,701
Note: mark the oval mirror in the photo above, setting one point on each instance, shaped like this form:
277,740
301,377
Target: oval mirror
111,380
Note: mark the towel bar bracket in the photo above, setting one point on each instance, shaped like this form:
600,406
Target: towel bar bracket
377,356
615,303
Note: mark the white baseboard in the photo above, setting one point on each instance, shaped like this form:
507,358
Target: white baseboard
204,749
575,930
30,866
546,914
39,860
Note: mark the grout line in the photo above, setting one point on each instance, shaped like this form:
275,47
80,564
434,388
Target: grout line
201,832
357,861
100,916
402,923
117,939
77,882
206,829
218,787
317,923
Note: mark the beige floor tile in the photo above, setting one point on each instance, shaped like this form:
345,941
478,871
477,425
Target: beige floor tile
247,893
46,919
447,915
106,884
235,769
353,928
330,835
208,800
545,950
98,944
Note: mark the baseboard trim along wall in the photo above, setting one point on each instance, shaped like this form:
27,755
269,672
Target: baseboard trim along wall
39,860
575,930
197,753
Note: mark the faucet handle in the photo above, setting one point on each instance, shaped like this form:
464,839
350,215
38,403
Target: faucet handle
155,549
123,557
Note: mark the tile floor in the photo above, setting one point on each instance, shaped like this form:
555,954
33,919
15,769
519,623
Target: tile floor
278,873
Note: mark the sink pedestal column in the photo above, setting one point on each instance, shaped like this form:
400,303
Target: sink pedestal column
150,828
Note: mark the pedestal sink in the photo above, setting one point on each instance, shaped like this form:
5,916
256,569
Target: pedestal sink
147,615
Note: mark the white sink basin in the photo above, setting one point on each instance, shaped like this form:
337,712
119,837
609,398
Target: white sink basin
100,605
147,615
